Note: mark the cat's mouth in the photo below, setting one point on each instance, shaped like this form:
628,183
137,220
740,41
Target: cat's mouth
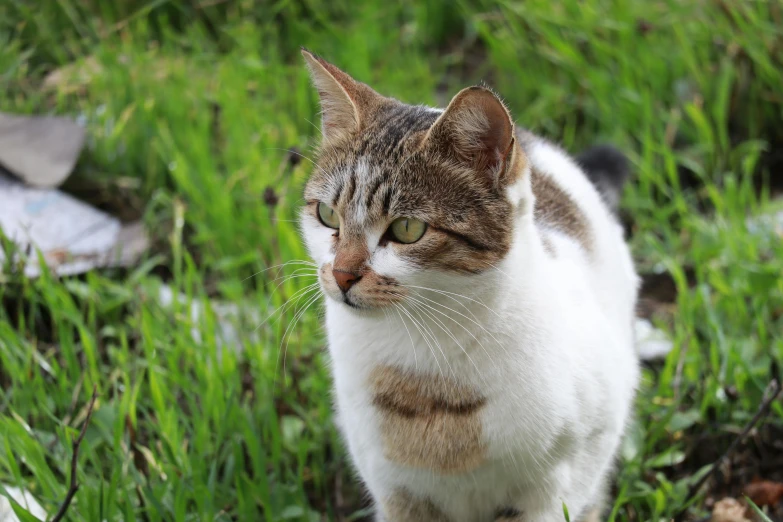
369,292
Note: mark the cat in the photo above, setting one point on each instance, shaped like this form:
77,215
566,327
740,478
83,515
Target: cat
480,306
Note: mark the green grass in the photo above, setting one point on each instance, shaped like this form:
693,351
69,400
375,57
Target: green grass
190,107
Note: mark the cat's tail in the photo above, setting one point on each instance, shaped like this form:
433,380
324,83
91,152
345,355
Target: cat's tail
608,169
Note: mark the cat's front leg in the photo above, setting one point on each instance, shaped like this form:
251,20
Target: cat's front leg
529,509
509,514
403,506
555,514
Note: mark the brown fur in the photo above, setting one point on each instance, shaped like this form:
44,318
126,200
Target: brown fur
402,506
549,246
351,255
554,208
428,421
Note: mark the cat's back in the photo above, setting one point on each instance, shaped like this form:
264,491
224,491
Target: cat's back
578,228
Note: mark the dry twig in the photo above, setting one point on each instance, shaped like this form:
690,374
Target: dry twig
73,486
771,393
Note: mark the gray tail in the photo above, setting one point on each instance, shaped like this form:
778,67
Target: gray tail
608,169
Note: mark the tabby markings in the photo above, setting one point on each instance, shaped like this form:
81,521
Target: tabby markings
428,421
555,208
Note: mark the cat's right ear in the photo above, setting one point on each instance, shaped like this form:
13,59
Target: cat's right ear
476,129
344,101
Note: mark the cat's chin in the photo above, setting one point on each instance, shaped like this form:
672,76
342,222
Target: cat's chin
358,306
351,303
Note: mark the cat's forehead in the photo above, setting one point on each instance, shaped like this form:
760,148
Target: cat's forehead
377,161
391,129
384,173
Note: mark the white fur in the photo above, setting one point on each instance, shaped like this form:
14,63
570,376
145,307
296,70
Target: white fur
547,341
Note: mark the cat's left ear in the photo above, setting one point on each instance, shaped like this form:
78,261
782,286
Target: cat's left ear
345,102
477,130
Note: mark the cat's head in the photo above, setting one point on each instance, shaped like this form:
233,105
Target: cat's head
403,195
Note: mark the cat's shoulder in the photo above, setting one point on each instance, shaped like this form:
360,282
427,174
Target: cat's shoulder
567,202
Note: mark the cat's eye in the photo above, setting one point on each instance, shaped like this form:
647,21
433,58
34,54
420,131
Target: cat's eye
407,230
328,216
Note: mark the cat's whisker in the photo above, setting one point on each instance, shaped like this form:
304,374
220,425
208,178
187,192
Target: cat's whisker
292,262
413,345
460,303
442,326
402,311
423,336
320,131
289,278
466,329
449,294
299,272
290,151
499,270
302,270
418,302
419,324
434,340
290,302
423,307
294,275
291,325
305,292
490,359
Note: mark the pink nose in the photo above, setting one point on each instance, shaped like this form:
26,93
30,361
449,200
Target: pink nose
345,280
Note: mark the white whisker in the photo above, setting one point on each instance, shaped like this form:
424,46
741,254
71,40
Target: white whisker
464,327
444,292
292,262
413,345
301,156
283,307
423,336
291,325
424,308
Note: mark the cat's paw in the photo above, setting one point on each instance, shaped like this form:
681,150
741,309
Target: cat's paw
508,514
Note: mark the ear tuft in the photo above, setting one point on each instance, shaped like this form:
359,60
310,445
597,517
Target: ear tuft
339,114
477,128
344,101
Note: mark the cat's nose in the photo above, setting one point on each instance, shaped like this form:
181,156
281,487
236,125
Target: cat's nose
345,280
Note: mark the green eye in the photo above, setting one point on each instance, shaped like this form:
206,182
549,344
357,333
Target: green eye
407,230
328,216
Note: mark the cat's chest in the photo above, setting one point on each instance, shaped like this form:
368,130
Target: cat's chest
427,421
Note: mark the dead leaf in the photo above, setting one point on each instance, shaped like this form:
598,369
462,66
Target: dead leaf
729,510
764,492
73,77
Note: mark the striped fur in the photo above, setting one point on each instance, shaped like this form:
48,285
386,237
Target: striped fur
429,421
